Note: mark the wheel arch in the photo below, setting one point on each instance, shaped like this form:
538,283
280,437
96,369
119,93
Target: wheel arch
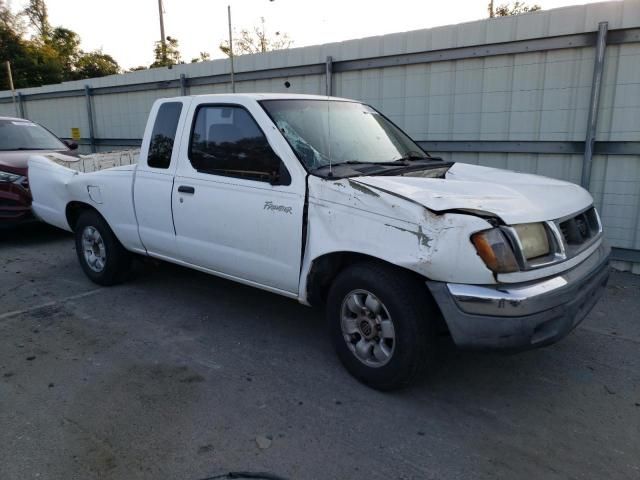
116,259
325,268
74,209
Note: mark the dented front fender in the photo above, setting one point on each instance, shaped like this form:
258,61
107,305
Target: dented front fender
347,216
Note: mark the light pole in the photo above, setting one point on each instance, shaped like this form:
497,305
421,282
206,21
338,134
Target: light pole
233,83
11,87
162,37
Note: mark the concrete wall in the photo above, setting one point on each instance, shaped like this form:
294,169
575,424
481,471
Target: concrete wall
537,96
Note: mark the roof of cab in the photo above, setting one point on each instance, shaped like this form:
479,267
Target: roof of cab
275,96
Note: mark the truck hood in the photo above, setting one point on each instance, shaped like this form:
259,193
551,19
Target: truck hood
513,197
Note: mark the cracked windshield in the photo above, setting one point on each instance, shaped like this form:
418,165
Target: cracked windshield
355,132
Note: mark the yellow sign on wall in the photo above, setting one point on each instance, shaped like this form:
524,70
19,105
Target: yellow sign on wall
75,133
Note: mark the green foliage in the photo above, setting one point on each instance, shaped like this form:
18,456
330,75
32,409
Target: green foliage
516,8
67,44
256,41
166,55
203,57
53,55
32,63
36,12
95,64
43,66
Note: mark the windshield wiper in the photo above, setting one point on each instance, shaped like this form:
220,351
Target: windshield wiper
401,162
412,156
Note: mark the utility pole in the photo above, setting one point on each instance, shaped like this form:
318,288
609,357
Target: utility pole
262,42
13,91
491,11
163,39
263,38
233,83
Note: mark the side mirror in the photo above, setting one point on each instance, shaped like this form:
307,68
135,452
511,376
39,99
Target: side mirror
280,176
71,144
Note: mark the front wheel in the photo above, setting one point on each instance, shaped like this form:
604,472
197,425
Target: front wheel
382,324
102,257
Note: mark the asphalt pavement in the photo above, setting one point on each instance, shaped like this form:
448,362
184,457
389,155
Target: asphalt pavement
180,375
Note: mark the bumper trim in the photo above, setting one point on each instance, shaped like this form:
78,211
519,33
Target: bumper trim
527,315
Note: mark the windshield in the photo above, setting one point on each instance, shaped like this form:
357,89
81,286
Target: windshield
323,130
24,135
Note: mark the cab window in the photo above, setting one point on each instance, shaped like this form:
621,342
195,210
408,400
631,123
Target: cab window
227,141
163,135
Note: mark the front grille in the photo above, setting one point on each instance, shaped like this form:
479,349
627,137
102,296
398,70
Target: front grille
580,229
5,202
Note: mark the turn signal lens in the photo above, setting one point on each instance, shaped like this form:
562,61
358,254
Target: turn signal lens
495,251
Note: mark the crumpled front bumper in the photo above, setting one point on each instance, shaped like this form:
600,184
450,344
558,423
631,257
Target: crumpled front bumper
523,316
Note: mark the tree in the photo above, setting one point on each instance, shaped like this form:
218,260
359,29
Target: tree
36,12
166,56
9,20
53,55
203,57
95,64
11,47
256,41
67,43
32,63
41,65
506,10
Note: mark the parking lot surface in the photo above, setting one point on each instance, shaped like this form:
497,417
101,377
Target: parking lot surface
180,375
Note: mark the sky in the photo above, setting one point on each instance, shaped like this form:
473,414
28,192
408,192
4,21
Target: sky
127,29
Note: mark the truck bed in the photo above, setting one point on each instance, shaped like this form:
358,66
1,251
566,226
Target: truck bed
96,180
97,161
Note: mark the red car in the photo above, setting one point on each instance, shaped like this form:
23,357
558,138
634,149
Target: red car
19,139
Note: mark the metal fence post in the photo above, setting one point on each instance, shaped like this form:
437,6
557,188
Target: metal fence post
596,88
21,102
328,76
183,85
87,96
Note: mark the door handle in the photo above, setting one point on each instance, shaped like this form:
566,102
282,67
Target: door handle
186,189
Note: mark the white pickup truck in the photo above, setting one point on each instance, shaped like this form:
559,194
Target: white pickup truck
326,201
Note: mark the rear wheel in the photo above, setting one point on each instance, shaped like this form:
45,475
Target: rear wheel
382,324
102,257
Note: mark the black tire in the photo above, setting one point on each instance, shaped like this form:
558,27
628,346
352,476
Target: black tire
118,260
411,310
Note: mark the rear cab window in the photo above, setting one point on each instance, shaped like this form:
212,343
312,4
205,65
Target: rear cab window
163,135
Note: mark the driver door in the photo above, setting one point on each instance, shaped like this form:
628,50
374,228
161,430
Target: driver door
236,210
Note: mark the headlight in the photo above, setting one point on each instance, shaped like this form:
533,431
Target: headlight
495,250
533,239
6,177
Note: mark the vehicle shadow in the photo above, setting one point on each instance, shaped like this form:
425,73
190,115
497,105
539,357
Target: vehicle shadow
31,234
249,313
491,380
252,307
203,305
